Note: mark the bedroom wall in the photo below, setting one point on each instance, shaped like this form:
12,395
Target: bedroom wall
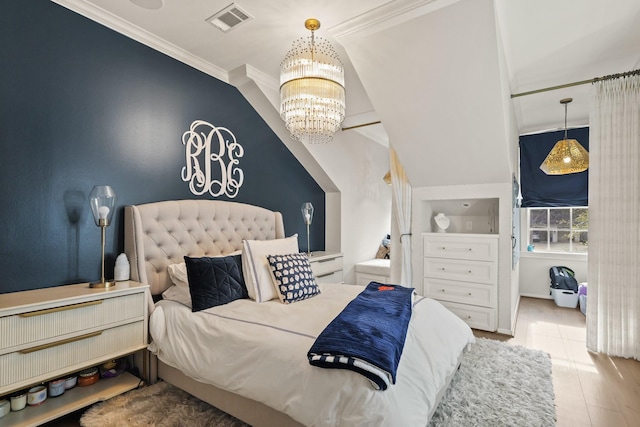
81,105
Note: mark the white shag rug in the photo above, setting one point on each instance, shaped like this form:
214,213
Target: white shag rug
497,385
159,405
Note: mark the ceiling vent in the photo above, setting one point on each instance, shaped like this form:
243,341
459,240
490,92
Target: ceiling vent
229,17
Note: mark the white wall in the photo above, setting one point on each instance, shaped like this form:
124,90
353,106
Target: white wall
534,271
357,169
349,169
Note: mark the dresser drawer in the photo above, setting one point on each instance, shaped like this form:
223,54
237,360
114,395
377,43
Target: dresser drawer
461,292
476,317
471,248
35,364
323,267
28,329
334,277
461,270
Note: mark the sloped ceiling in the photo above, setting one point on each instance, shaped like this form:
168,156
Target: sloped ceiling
438,73
439,96
554,42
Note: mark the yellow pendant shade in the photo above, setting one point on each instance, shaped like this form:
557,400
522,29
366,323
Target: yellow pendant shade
566,157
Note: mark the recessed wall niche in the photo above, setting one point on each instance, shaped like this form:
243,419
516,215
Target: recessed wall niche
473,216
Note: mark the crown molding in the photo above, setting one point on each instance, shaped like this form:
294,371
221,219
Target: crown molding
386,16
260,77
140,35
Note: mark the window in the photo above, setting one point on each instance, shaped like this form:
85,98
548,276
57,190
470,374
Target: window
558,229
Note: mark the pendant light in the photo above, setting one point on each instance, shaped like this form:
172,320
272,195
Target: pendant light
567,156
312,96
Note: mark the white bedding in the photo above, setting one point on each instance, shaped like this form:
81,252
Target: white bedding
211,346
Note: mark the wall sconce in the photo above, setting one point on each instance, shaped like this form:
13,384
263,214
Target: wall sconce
307,216
103,201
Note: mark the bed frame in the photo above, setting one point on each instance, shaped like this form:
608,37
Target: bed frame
162,233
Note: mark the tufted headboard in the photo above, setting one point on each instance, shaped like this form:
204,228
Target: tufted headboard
162,233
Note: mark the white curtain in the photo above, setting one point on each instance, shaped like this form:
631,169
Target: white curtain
402,211
613,302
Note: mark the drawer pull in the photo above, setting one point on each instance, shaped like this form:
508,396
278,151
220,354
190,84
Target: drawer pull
468,317
444,248
442,290
459,271
63,308
320,276
469,293
61,342
320,261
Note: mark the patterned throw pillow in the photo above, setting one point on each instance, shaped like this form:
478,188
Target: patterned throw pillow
292,277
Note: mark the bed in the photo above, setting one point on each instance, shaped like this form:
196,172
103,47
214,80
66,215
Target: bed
249,359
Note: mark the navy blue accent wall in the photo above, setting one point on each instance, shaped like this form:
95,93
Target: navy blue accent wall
82,105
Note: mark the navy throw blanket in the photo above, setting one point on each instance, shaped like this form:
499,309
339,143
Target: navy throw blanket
368,335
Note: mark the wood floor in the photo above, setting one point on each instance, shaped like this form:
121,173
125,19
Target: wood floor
590,389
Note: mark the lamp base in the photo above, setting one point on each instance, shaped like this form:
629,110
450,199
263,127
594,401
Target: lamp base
105,284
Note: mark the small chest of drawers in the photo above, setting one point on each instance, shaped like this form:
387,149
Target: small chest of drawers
326,266
51,332
461,271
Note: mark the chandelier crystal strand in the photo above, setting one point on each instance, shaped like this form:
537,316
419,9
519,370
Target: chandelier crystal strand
312,94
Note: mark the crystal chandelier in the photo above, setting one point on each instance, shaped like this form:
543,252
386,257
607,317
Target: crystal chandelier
567,156
312,96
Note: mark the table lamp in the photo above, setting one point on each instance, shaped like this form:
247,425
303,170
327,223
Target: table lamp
103,201
307,215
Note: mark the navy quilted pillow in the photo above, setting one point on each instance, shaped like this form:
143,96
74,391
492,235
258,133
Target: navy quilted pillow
215,281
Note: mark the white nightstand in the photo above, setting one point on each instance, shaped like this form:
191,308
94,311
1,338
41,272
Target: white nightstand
326,266
49,333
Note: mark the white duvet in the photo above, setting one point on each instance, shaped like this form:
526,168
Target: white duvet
259,350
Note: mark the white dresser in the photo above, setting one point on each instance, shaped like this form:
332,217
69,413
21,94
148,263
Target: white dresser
49,333
461,271
326,266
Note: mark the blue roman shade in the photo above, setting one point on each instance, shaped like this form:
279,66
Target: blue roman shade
542,190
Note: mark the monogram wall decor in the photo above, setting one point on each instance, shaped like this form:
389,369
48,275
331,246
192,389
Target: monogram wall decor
211,155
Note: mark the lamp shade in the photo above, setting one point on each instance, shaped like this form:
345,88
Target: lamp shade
103,202
307,212
566,157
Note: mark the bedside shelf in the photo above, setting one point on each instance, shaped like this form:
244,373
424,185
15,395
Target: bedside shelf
71,400
49,333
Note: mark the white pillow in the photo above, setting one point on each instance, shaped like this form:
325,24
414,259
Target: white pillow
255,267
179,294
178,274
179,291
